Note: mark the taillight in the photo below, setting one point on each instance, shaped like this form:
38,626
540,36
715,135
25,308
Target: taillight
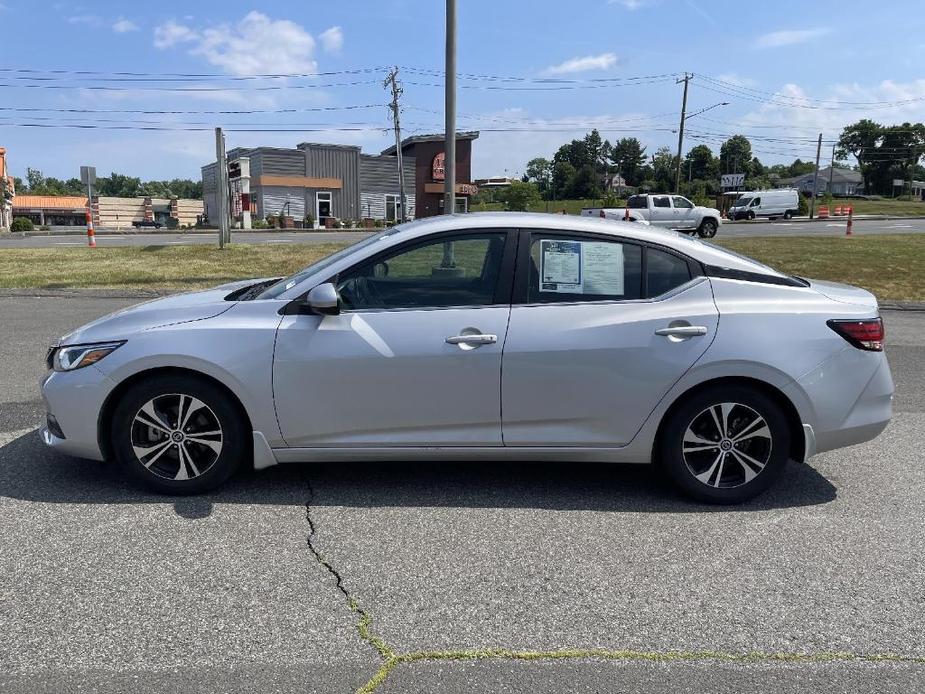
863,334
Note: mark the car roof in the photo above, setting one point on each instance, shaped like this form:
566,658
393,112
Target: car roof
529,221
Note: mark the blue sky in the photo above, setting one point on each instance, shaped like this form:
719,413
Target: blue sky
788,71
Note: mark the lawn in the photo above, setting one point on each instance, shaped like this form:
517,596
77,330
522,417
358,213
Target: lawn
891,266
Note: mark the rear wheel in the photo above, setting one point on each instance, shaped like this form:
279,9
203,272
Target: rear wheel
178,434
707,229
788,214
725,445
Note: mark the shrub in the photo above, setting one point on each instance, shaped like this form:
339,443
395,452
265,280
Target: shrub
259,224
379,224
172,223
804,205
309,221
609,201
338,224
44,227
22,224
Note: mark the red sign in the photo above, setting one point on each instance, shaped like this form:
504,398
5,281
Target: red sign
439,172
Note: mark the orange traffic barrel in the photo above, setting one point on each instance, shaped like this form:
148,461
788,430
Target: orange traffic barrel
823,212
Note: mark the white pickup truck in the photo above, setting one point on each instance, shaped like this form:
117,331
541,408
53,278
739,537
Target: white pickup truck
666,211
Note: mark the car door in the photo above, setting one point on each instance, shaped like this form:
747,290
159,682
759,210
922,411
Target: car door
683,213
661,213
601,328
414,356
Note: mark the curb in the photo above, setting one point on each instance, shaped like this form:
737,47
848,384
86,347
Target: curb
806,220
902,306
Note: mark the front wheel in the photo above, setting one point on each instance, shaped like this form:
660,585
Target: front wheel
178,434
750,216
707,229
725,445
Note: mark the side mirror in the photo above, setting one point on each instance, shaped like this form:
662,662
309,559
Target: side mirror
323,300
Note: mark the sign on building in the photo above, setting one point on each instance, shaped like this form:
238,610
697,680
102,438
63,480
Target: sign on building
439,167
733,180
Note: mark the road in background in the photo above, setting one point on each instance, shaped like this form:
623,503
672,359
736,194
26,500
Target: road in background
832,227
106,587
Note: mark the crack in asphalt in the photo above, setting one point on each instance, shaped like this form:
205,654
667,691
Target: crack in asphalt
391,659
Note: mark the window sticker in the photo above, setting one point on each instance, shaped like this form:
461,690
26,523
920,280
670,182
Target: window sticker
560,266
582,267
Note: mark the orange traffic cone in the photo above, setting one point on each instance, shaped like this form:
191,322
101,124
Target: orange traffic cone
626,215
850,215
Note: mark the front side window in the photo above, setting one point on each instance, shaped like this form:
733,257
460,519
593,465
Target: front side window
682,203
565,269
461,270
756,202
661,201
664,272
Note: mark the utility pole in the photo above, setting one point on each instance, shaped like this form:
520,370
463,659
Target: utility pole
449,188
686,80
392,80
832,166
812,202
221,187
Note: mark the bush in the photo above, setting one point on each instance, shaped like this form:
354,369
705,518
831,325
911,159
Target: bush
609,201
172,223
22,224
309,221
804,205
259,224
44,227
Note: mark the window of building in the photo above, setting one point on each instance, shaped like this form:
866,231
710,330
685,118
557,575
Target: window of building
392,208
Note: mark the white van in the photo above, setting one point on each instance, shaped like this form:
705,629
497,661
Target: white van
766,203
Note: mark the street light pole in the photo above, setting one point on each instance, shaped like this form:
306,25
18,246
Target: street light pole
449,188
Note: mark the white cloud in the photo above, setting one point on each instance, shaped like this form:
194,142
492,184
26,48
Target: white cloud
256,44
123,26
170,33
788,37
332,40
583,64
631,5
88,19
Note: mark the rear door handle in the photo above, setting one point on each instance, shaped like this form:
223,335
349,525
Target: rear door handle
682,331
478,339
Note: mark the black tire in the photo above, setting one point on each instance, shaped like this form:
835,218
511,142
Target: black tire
788,214
750,216
707,228
200,467
743,479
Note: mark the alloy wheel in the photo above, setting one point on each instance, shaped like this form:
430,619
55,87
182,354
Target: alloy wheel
727,445
176,436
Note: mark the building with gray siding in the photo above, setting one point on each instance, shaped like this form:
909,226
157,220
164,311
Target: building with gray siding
321,180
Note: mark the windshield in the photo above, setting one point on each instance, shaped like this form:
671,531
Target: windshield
741,202
289,282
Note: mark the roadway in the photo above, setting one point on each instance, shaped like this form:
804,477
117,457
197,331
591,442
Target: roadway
831,227
107,588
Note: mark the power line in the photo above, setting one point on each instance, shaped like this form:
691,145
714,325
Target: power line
268,88
316,109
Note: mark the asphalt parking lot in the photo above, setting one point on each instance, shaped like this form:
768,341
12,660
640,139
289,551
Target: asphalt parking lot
472,578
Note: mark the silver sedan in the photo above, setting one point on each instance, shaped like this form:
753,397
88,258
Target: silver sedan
484,337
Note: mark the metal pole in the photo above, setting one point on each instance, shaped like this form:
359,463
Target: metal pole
832,166
677,180
449,188
812,202
220,188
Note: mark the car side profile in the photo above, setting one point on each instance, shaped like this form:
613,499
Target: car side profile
496,336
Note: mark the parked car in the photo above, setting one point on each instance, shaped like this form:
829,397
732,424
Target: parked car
766,203
147,224
495,336
665,211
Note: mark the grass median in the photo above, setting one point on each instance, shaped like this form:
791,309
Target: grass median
891,266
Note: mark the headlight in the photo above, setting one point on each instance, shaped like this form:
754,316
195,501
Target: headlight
71,357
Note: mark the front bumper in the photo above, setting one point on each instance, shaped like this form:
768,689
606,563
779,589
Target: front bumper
75,399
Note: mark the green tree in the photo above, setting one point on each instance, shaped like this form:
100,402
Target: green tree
519,196
735,155
629,157
663,168
699,163
118,186
539,171
861,140
562,175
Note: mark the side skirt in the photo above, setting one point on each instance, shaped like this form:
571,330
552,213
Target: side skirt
457,453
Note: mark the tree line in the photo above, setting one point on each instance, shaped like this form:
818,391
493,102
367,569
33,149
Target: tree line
581,168
115,185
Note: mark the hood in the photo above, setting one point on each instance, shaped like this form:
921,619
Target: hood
845,293
179,308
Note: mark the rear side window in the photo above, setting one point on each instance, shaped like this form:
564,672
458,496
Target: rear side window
664,272
661,201
637,202
564,269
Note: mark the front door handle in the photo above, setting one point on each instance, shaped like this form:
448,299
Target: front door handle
682,331
476,339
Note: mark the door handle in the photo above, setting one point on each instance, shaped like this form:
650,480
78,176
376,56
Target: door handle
682,331
477,339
